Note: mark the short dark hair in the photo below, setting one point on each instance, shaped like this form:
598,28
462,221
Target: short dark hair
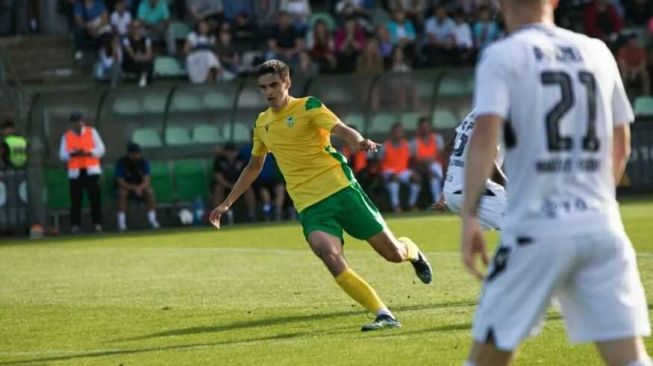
273,67
8,123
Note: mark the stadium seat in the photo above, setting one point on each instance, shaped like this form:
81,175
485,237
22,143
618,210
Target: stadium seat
108,183
186,102
57,189
410,120
161,182
165,66
207,134
444,118
240,132
382,122
147,138
127,105
249,98
154,103
453,86
355,120
190,180
177,136
217,100
179,30
644,106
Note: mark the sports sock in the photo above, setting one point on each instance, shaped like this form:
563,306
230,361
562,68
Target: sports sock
385,311
412,251
393,187
435,189
414,193
151,216
122,220
359,290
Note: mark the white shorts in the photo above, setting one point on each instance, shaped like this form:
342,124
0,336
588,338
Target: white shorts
403,176
593,276
490,210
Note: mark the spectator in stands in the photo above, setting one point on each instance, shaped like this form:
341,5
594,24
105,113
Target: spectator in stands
468,8
210,10
13,146
485,30
602,21
91,24
638,12
366,167
395,165
299,11
321,46
227,53
110,63
385,44
464,41
227,166
633,64
133,182
13,17
414,10
138,55
265,12
427,149
155,15
245,30
121,18
234,8
349,42
441,37
361,10
401,82
371,63
202,62
285,42
402,32
81,149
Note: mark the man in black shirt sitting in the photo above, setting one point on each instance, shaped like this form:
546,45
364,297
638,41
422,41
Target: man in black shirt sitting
227,167
133,179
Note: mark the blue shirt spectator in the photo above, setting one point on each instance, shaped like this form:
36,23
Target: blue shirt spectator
401,29
153,11
485,30
233,8
89,13
132,168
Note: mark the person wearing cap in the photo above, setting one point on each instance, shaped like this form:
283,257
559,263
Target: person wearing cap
13,147
81,149
133,179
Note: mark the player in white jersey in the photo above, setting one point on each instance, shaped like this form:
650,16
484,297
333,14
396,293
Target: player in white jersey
492,206
565,116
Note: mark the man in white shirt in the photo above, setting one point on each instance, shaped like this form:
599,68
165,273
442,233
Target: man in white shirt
560,101
440,37
120,18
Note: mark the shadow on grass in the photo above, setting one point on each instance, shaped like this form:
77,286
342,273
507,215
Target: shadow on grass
263,322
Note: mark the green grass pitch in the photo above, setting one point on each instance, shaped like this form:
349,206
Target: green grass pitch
251,295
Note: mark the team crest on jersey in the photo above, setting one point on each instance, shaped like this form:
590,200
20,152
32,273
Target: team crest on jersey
290,121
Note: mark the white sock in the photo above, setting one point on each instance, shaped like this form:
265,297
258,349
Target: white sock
267,207
645,362
414,193
385,311
393,187
122,220
435,189
151,216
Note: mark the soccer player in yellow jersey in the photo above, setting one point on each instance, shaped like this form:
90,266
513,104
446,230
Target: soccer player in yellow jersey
322,186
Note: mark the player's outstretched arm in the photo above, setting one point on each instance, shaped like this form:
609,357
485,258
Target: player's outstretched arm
355,140
620,150
245,180
479,165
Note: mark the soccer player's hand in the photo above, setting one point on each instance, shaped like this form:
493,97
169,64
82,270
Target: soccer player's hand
440,206
214,217
473,246
368,145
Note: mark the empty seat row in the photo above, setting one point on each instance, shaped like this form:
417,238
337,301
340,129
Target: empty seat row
199,134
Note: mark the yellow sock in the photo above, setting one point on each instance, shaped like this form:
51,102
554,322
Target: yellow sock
359,290
412,251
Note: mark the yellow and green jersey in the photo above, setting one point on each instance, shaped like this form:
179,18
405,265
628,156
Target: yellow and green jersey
299,138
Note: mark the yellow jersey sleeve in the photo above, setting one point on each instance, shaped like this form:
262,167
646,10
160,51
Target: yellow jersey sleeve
319,114
258,147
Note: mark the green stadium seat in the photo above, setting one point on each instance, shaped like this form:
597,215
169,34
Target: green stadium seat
644,106
57,189
207,134
177,136
216,100
161,181
410,120
382,122
326,17
108,182
154,103
424,87
249,98
147,138
186,102
190,180
355,120
179,30
453,87
444,118
127,105
165,66
241,132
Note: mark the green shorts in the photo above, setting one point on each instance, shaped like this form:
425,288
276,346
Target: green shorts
349,209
